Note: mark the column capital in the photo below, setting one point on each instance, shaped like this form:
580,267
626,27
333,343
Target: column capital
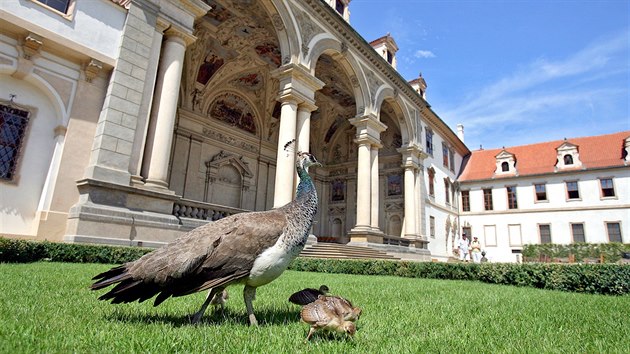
307,106
174,32
297,81
368,127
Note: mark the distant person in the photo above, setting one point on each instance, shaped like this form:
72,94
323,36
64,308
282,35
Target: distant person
475,246
483,257
464,254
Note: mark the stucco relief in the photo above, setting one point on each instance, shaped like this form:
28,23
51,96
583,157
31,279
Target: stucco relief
308,28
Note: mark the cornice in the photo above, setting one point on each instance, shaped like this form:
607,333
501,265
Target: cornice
354,39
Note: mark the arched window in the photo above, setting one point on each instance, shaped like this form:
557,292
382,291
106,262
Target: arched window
568,159
505,167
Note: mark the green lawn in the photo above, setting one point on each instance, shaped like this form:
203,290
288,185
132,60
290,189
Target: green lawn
47,307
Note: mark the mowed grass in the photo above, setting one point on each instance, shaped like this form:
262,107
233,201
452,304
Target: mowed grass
47,307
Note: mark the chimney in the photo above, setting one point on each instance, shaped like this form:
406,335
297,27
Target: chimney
460,132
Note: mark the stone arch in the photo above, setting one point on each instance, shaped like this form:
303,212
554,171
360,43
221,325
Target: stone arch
285,30
326,44
388,95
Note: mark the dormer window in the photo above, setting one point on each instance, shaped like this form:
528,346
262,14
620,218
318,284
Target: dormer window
568,156
505,163
340,7
390,57
386,47
568,159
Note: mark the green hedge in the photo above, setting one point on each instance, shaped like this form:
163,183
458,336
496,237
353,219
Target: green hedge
610,252
610,279
12,251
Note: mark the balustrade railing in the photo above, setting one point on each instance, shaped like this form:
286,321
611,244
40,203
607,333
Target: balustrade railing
203,211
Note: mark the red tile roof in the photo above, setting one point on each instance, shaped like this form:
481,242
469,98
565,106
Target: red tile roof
594,152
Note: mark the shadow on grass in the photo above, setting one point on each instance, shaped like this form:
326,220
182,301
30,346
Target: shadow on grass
265,317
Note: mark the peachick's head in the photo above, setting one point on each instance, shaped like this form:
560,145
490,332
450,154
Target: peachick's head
306,160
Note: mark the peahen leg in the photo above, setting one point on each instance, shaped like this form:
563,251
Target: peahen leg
197,316
249,294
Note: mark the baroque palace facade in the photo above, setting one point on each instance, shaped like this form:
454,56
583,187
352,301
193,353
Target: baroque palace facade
130,122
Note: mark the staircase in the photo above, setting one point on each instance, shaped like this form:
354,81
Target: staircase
340,251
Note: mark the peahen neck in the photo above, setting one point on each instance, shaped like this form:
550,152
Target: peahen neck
306,183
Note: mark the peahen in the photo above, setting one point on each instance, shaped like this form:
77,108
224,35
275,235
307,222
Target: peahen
251,248
308,295
328,313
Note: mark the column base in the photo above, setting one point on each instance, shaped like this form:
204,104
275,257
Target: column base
157,185
363,235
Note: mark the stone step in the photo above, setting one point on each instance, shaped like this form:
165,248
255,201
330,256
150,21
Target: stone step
340,251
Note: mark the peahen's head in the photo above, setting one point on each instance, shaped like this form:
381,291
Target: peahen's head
306,160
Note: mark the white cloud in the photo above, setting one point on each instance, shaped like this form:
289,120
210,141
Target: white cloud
424,54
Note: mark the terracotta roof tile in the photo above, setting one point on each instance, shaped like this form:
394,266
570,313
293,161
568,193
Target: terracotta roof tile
594,152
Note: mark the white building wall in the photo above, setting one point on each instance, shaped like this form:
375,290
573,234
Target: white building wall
93,28
20,197
590,209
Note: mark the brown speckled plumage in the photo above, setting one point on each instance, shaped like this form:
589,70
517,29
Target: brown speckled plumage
219,254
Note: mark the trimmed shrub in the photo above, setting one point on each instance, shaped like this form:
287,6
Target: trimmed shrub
610,252
610,279
21,251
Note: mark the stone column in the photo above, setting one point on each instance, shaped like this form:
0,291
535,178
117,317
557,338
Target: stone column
297,88
410,203
374,203
144,115
285,160
369,129
167,88
364,188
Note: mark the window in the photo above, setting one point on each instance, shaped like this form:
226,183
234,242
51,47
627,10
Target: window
572,190
505,167
431,182
614,232
447,191
432,226
487,199
511,194
466,200
451,156
429,136
608,189
390,57
340,7
568,159
577,230
13,123
545,233
59,5
541,192
444,155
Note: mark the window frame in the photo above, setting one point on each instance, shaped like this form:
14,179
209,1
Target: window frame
445,155
568,191
505,166
567,159
431,176
432,226
544,185
20,148
451,158
602,189
618,223
540,235
488,205
511,202
465,200
447,191
573,231
429,141
68,14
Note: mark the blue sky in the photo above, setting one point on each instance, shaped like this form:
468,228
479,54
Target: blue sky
513,72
